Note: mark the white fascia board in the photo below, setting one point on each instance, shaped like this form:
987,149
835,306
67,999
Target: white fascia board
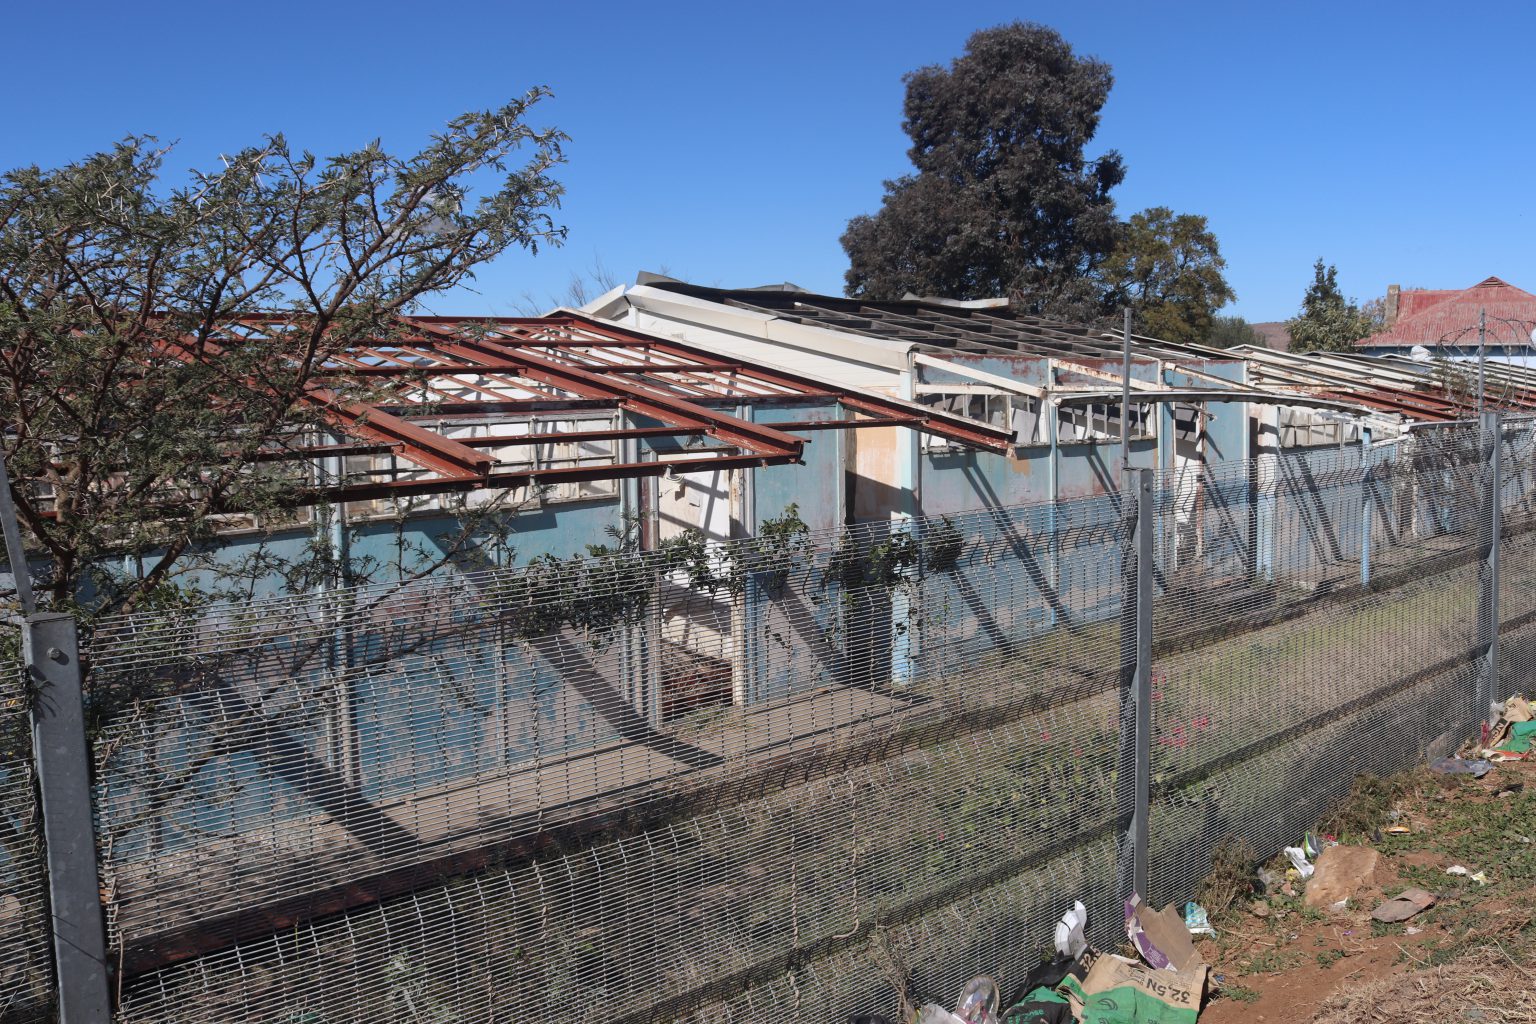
1008,384
840,384
684,327
607,306
823,341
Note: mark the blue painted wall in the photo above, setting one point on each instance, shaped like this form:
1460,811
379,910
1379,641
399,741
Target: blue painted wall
817,486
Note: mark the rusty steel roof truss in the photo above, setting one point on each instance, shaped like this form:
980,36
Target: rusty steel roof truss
485,370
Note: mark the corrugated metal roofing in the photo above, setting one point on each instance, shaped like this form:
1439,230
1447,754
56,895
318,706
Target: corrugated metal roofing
931,325
1436,318
1417,300
1368,383
1419,392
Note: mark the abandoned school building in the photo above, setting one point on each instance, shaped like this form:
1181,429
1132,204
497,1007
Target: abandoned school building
1198,414
666,408
563,428
680,407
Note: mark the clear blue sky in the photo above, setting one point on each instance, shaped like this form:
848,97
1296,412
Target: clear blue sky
730,143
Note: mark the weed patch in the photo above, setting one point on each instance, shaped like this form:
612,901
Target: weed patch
1272,961
1240,994
1231,878
1360,813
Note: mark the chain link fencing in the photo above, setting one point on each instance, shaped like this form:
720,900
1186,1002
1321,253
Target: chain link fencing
791,776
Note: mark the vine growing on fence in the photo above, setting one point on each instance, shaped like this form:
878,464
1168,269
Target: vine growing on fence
612,585
902,559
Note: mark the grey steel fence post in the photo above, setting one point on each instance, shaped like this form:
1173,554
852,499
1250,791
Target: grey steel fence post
1490,438
62,759
1367,496
1144,575
1136,680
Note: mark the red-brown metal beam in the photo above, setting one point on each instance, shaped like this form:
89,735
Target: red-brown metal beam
509,407
910,421
1337,386
678,375
488,366
317,451
617,434
423,447
661,368
666,408
466,348
1387,403
613,333
572,474
523,385
733,385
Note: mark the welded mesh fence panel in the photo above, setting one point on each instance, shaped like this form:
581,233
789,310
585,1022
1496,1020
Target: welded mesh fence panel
1517,560
917,725
786,778
25,964
1351,648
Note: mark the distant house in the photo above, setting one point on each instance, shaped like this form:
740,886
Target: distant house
1444,323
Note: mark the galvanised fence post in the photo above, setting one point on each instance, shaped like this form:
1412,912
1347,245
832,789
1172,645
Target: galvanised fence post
62,759
1135,762
1491,444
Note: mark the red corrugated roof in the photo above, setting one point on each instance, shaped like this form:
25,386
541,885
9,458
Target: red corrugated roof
1417,300
1435,317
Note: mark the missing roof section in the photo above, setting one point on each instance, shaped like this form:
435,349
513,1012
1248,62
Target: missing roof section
490,370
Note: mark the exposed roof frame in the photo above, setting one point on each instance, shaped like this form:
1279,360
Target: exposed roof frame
933,421
1175,395
486,368
1349,385
633,397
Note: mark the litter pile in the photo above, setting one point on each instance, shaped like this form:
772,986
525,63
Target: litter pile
1511,738
1170,981
1088,986
1163,979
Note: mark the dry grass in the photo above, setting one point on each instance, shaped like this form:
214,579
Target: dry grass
1486,984
1365,808
1232,876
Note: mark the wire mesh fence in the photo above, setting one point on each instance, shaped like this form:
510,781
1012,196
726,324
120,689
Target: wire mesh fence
1353,650
25,971
788,777
897,748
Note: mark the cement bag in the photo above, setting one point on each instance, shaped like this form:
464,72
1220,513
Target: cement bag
1121,991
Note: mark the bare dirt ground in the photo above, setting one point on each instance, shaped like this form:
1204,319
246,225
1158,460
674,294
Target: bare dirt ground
1467,958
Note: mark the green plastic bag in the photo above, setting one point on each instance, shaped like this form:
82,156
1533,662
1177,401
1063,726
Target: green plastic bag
1521,735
